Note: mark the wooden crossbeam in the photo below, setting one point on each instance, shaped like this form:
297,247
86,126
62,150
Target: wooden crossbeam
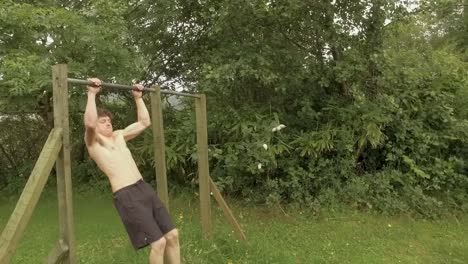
227,212
30,196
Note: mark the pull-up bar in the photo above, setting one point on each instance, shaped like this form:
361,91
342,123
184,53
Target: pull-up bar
128,87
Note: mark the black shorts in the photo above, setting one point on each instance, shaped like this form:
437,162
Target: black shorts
143,214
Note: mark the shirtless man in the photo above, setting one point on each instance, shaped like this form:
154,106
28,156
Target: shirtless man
145,217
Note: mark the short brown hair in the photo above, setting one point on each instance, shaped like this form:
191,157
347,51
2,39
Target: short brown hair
103,112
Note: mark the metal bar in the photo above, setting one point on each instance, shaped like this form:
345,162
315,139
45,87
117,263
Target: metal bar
107,85
129,87
181,94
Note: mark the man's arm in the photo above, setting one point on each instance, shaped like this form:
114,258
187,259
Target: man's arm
144,120
90,115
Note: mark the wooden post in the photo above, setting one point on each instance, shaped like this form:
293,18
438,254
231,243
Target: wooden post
159,149
203,166
20,217
58,254
63,165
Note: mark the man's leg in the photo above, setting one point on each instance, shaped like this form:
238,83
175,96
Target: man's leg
157,251
172,252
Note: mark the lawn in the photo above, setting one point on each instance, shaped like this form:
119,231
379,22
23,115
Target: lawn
274,235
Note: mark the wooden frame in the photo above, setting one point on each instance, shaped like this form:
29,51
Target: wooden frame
206,184
57,150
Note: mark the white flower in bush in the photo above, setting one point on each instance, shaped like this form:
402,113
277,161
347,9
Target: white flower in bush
259,166
278,128
265,146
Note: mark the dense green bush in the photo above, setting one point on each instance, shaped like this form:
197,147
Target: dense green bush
372,94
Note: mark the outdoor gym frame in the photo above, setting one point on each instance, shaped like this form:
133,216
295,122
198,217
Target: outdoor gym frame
57,150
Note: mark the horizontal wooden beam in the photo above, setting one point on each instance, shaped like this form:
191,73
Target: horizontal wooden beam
30,196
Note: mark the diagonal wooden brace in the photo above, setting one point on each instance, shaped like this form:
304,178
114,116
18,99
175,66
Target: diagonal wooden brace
227,212
20,217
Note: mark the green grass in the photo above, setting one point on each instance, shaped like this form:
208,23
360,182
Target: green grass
273,236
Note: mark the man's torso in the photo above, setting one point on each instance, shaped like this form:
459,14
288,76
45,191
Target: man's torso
114,158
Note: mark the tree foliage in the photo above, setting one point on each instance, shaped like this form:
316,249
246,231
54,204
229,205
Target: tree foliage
372,93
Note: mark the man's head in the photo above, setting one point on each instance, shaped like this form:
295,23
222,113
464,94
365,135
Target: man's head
104,123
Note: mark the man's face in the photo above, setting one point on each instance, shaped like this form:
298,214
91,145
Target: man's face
104,126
